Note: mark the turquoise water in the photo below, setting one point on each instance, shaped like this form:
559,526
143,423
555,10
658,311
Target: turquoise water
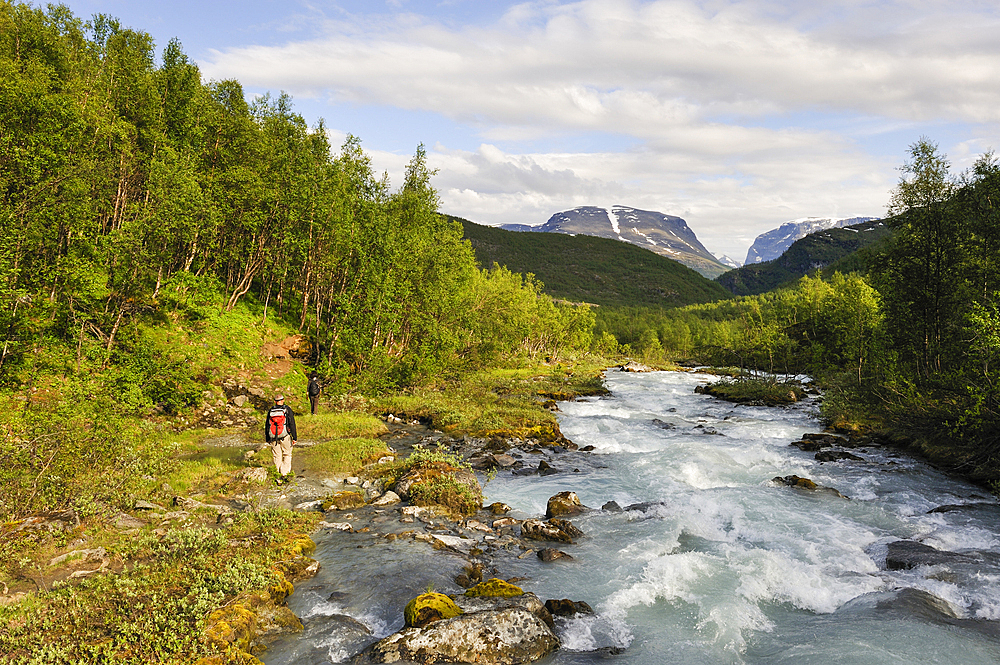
725,566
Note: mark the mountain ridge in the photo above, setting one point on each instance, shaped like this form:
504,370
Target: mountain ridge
666,235
772,244
827,249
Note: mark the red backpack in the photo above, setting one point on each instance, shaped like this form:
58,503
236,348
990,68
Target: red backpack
276,420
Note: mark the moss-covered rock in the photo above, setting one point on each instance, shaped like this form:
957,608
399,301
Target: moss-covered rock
429,607
298,545
495,588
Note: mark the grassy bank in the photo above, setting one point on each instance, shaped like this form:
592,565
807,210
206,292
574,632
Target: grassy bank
157,572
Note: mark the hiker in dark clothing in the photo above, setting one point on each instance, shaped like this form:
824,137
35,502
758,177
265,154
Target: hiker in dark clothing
279,431
313,390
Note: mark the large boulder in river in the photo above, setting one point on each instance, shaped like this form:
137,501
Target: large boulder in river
491,637
554,529
428,608
564,503
906,554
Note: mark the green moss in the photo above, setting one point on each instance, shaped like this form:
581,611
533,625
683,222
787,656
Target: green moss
495,588
429,607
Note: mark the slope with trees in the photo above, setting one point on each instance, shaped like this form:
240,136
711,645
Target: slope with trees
833,249
590,269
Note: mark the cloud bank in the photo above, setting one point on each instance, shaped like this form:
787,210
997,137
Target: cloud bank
737,116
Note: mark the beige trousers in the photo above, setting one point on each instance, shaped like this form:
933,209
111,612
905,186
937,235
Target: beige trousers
281,451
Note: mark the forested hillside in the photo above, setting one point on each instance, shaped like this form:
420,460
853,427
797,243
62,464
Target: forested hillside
134,194
584,268
835,248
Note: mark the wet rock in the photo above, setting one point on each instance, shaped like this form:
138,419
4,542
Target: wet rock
644,507
548,555
498,508
836,456
567,607
587,449
810,446
963,507
557,530
546,469
563,503
663,424
612,507
470,576
806,484
916,602
906,554
633,366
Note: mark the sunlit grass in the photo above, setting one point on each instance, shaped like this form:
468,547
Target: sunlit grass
340,456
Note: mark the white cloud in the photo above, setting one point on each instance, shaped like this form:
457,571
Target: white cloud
705,92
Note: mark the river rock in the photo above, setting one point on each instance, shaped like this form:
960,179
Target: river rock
563,503
526,601
611,507
810,446
548,555
546,469
836,456
806,484
490,637
498,508
554,529
567,607
906,554
390,498
633,366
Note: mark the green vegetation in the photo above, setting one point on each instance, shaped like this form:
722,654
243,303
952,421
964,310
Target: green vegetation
583,268
433,481
832,250
494,588
767,392
158,235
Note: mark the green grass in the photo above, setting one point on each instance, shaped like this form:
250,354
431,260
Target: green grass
340,456
338,425
499,400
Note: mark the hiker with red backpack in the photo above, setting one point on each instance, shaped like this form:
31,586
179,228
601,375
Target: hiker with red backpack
279,431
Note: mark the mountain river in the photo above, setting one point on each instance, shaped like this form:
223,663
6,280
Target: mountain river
723,566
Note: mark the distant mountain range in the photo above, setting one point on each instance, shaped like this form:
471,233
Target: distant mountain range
665,235
845,249
769,246
728,261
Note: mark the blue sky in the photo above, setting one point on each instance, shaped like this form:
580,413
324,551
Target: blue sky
737,116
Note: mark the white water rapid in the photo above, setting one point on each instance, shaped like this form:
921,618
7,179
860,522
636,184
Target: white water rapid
725,567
